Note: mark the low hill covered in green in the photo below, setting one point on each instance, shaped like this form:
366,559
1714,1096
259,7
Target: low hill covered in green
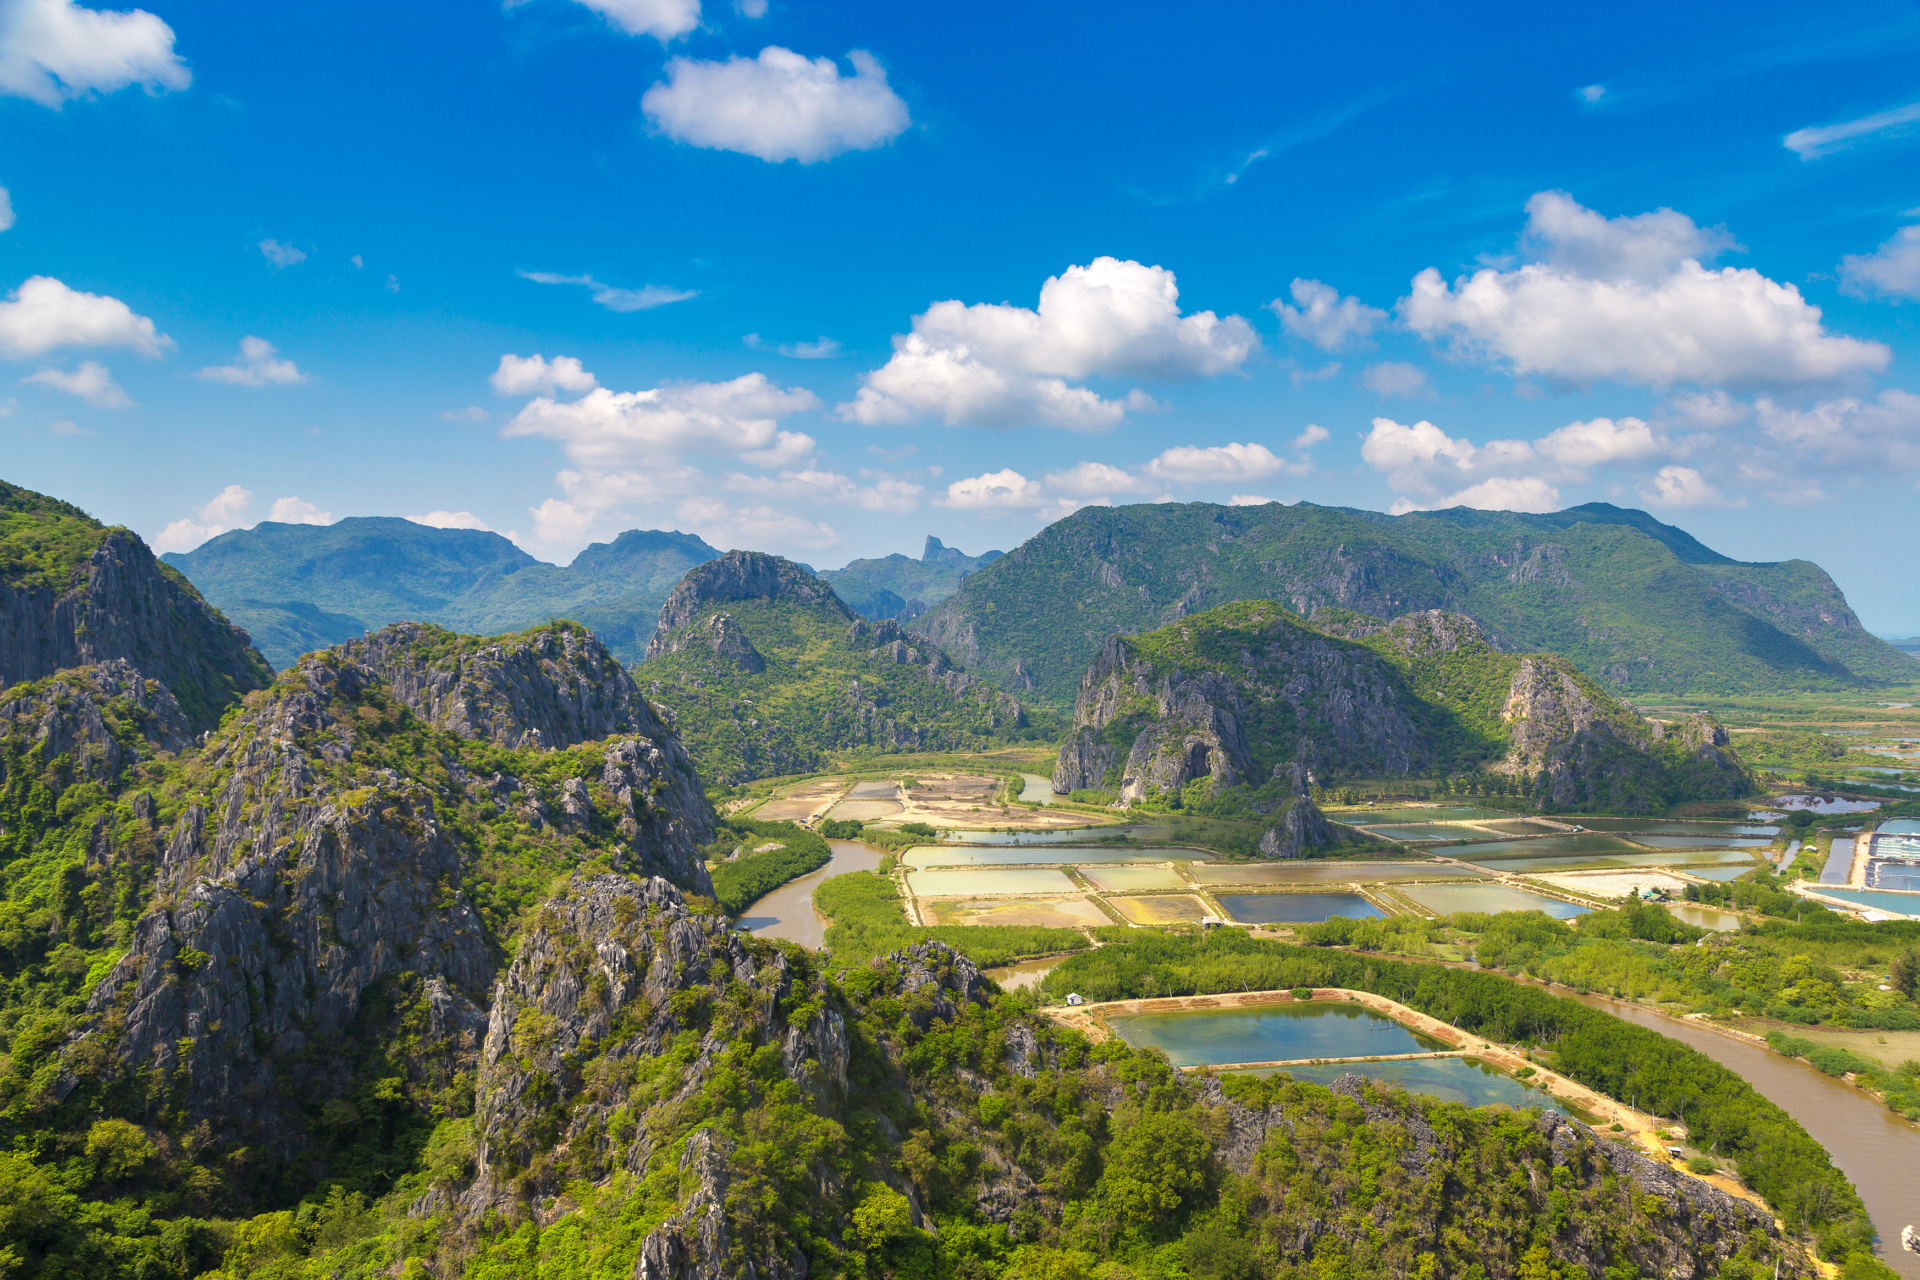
1635,604
768,672
303,587
1250,697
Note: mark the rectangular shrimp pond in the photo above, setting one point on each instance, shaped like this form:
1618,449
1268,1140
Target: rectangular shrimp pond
1002,855
1274,1033
1124,879
989,882
1296,908
1437,813
1424,831
1445,899
1597,862
1467,1081
1278,873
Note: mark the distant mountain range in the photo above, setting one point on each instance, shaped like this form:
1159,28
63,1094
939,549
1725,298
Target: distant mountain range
1638,605
299,587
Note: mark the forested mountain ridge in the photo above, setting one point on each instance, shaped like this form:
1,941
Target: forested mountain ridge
903,589
303,587
1636,604
74,592
766,671
1248,694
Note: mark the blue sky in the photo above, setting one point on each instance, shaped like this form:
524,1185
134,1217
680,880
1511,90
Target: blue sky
824,279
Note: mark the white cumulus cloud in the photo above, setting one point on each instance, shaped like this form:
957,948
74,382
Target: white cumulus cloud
298,511
528,375
452,520
994,364
1811,144
607,429
614,298
1394,378
664,20
778,106
6,209
44,314
281,255
1249,500
1893,269
91,382
1325,319
1628,299
1858,436
223,512
758,527
1681,487
825,349
1599,442
1093,480
1216,464
259,364
52,51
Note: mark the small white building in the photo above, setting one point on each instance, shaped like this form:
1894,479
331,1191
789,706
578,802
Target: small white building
1074,997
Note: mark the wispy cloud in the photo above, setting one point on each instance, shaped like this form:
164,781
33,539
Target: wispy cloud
1811,144
614,298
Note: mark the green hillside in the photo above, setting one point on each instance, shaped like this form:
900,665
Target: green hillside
775,682
1636,604
304,587
901,588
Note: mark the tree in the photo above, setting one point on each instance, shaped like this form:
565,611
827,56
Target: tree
1905,974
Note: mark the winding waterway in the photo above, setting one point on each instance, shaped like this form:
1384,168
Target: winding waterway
788,911
1876,1149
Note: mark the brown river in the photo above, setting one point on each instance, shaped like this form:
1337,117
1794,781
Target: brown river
788,911
1876,1149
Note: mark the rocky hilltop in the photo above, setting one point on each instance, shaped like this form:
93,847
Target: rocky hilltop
767,671
1250,695
1634,603
74,593
360,844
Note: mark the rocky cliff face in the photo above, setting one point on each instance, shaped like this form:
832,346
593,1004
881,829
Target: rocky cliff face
1247,694
1278,697
546,688
739,575
300,870
102,718
120,603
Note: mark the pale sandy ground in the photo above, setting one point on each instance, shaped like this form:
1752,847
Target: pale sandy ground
1058,913
1160,908
1638,1127
1613,884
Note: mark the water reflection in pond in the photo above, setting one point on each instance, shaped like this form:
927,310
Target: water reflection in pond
1839,861
1719,873
1073,835
1026,974
1438,813
1826,804
1699,842
1038,790
1261,873
1901,904
1545,847
1464,1080
1705,917
1000,855
1425,831
988,882
1296,908
1277,1033
1599,862
1445,899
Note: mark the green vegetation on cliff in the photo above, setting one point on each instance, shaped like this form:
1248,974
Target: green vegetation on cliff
1636,604
867,921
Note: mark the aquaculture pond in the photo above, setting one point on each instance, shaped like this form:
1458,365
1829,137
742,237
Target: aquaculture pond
1893,873
1001,855
1295,908
1601,861
1839,861
987,883
1899,827
1705,917
1425,831
1827,804
1676,827
1720,873
1181,908
1037,790
1468,1081
1545,846
1272,1033
1698,842
1413,813
1125,879
1900,904
1445,899
1263,873
1071,835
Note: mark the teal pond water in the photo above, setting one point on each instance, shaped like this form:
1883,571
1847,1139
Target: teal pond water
1296,908
1078,835
1629,826
1720,873
1464,1080
1601,862
1424,831
999,855
1905,904
1445,899
1545,846
1282,1033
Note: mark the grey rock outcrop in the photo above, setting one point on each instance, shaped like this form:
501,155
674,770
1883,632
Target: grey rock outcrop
85,715
121,603
739,575
1301,831
719,632
312,873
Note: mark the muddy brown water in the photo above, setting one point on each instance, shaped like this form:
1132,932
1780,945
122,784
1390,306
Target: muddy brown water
1878,1150
788,911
